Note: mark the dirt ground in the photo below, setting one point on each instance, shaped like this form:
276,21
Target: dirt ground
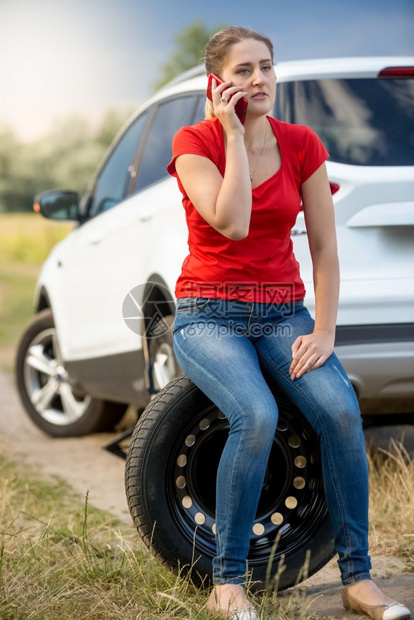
86,465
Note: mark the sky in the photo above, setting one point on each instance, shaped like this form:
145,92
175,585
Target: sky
59,57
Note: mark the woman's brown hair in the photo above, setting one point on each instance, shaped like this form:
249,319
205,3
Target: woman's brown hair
217,48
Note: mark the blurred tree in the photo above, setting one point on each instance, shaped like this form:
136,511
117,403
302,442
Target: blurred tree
189,53
66,158
15,172
73,151
112,121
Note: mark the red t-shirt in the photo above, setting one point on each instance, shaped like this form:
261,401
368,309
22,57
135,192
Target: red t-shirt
262,266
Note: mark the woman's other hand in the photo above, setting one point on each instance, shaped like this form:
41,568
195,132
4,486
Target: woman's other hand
310,351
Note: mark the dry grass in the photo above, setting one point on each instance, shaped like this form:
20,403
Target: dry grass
392,503
60,558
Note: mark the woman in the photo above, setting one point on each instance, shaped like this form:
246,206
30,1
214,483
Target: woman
240,309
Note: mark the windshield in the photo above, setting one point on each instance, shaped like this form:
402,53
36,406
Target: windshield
366,122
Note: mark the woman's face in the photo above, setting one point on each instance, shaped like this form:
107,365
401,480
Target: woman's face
249,65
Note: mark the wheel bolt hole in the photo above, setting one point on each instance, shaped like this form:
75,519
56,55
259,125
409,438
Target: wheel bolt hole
291,502
181,482
199,518
277,518
300,462
258,529
182,460
299,482
294,441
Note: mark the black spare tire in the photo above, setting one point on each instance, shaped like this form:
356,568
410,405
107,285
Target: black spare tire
170,482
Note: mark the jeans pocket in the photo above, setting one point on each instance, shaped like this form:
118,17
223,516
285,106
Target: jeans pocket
189,304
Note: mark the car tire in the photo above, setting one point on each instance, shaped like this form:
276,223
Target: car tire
43,384
170,477
163,362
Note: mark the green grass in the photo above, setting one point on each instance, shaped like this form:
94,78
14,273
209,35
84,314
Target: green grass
28,237
16,288
25,242
61,558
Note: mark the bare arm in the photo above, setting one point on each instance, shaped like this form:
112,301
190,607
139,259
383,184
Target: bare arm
224,202
320,225
312,350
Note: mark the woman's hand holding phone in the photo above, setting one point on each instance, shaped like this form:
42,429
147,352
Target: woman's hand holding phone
228,101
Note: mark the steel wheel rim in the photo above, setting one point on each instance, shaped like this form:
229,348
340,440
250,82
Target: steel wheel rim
292,507
47,383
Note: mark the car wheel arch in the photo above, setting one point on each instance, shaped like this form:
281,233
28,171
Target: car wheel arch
43,301
156,290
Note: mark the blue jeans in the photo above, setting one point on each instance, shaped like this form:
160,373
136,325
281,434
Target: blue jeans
223,345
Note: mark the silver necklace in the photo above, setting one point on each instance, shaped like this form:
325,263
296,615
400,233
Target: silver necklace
261,154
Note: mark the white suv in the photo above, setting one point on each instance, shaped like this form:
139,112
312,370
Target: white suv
104,302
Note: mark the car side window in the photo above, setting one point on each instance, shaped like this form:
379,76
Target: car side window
200,109
113,181
171,115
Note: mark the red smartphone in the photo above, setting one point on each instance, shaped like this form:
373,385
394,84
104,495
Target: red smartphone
240,107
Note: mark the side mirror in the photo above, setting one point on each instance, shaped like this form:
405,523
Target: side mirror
57,205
